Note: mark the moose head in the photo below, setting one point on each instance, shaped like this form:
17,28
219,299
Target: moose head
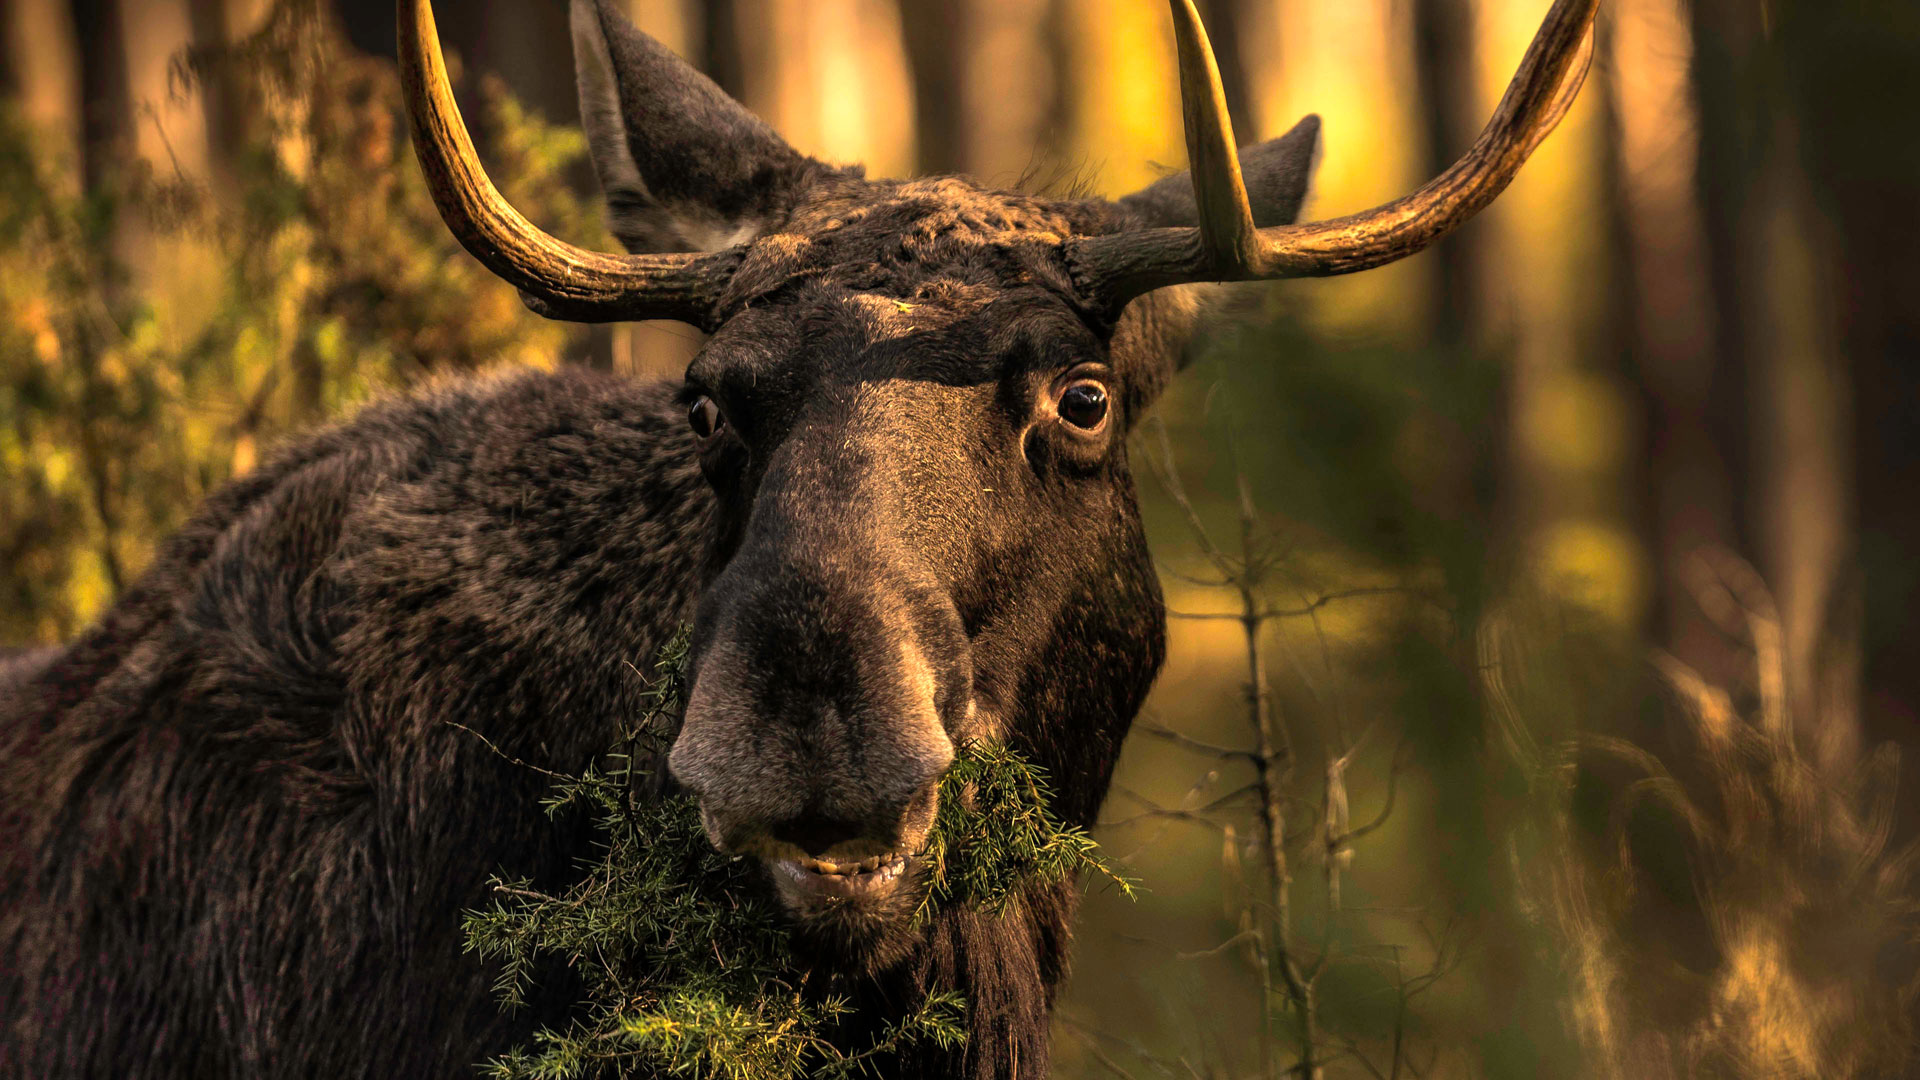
912,411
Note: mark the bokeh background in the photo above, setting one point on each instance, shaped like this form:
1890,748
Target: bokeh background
1582,553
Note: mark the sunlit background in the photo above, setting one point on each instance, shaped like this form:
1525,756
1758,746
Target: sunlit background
1587,542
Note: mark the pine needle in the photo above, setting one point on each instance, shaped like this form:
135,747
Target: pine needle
686,966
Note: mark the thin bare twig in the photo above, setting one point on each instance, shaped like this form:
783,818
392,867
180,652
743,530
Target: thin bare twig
1161,815
1091,1037
1191,579
1169,478
1386,811
1189,743
527,894
509,758
1186,803
1240,938
1198,815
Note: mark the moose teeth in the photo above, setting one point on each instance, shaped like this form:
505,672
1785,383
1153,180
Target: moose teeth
886,865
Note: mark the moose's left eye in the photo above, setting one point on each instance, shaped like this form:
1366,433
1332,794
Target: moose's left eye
1084,405
704,418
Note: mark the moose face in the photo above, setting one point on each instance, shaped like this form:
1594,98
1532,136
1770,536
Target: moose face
912,411
928,535
929,526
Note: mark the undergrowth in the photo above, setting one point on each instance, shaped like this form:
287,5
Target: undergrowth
685,962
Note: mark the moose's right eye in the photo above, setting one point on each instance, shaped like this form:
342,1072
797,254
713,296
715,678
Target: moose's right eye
1084,405
705,419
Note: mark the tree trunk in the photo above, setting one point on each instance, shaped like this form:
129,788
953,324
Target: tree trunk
1662,322
217,25
1725,38
936,33
106,109
725,63
41,68
1850,81
1443,52
1778,395
1226,28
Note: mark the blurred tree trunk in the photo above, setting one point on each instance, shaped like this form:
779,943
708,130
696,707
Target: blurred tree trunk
1445,39
1851,78
1660,312
1056,33
936,32
41,68
1726,36
1778,396
530,48
720,37
224,120
1445,81
169,129
106,109
217,24
984,85
1805,526
1226,22
106,145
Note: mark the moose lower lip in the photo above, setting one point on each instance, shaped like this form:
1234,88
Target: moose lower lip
819,879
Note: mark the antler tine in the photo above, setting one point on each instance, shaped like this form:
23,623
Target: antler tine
1227,234
556,278
1115,268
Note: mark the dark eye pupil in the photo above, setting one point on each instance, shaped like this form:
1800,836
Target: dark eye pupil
704,418
1084,405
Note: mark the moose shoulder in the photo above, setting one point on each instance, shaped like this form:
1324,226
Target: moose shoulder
891,494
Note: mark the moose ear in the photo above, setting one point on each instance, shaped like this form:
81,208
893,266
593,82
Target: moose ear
684,166
1279,176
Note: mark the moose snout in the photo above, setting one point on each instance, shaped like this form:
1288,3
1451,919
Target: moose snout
791,794
839,763
829,661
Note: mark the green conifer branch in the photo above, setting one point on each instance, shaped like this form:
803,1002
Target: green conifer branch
686,966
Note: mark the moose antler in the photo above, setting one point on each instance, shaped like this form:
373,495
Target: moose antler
1115,268
556,278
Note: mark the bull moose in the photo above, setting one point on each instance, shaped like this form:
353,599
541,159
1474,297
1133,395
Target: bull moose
891,494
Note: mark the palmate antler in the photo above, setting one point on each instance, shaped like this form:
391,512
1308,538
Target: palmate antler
1227,247
568,282
558,279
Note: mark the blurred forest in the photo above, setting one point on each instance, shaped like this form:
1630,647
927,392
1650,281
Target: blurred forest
1547,606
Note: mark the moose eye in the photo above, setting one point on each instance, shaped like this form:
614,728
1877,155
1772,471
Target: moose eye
705,419
1084,405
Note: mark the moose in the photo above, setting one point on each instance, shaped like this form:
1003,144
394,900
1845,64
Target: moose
891,495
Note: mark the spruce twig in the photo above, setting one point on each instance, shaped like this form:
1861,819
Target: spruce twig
687,968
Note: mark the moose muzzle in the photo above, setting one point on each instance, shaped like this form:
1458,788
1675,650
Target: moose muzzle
814,734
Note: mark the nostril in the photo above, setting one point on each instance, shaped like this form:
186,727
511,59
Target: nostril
816,835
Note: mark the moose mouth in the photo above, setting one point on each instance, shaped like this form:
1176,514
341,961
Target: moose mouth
809,883
850,917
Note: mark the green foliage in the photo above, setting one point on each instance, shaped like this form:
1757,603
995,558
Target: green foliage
686,965
311,273
994,833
